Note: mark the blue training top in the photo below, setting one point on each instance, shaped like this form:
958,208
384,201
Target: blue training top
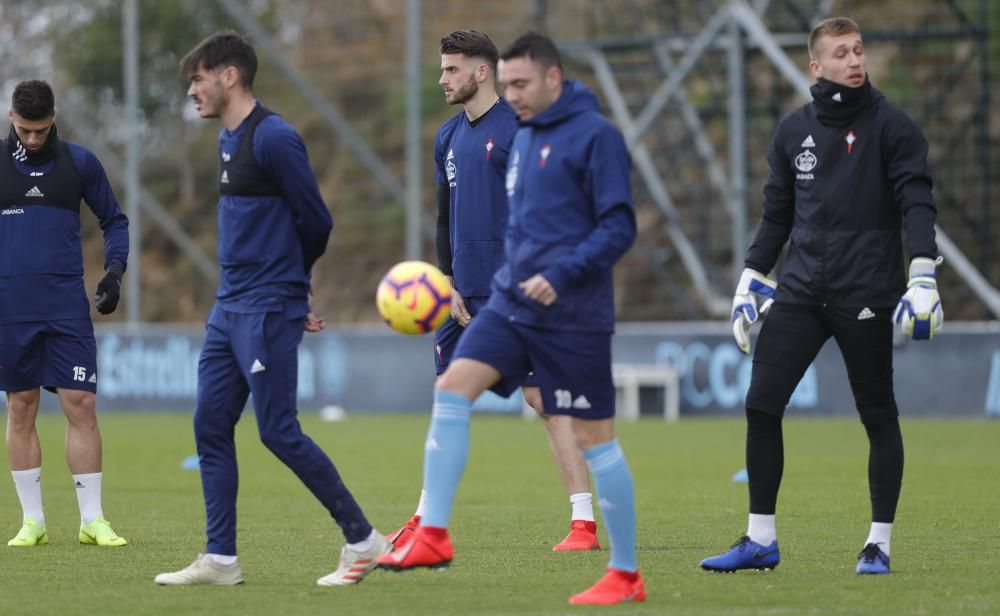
269,243
41,257
471,159
571,215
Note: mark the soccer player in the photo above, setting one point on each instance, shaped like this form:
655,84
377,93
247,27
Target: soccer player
551,310
471,154
46,335
273,226
846,171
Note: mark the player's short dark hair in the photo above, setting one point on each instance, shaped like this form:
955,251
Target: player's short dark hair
471,44
534,46
834,26
222,49
33,100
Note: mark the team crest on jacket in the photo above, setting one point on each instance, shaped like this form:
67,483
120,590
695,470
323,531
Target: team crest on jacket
511,179
450,169
850,139
805,163
489,148
544,154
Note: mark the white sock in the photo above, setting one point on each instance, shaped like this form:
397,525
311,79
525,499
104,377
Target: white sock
88,496
583,506
363,546
29,491
880,534
760,529
223,559
422,505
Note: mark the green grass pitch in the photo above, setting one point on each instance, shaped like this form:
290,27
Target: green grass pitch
511,508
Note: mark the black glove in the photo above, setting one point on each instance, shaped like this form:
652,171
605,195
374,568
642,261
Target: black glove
108,292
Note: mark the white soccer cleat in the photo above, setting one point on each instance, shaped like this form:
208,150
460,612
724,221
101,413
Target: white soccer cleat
354,566
204,570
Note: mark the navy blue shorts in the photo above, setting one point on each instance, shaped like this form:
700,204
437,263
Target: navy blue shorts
573,369
49,354
447,336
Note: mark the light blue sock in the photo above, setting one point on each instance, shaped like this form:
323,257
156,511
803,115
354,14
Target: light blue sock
445,454
616,498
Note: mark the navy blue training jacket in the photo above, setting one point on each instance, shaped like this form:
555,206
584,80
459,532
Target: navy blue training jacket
471,160
41,258
268,244
571,215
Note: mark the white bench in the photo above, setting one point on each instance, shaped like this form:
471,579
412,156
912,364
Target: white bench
629,378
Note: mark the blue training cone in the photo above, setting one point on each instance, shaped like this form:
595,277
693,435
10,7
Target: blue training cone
741,476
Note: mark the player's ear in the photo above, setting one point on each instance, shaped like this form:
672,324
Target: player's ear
230,76
553,76
815,69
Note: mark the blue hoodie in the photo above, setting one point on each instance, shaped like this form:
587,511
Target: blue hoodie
571,215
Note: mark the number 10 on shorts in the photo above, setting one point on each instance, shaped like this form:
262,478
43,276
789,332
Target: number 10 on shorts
564,399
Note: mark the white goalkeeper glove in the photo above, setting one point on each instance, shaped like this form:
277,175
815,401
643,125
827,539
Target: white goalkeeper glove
919,313
753,286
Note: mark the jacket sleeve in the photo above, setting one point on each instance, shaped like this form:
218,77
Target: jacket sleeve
778,212
906,165
99,197
281,152
608,185
442,240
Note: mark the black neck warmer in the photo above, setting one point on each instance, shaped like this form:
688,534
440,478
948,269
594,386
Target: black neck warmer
837,104
35,159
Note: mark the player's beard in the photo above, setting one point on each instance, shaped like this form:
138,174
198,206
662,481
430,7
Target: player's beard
213,102
466,92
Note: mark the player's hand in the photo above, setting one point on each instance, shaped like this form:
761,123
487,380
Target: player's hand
752,287
458,310
919,314
108,292
314,323
539,289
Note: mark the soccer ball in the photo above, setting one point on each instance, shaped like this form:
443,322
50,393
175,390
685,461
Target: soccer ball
414,298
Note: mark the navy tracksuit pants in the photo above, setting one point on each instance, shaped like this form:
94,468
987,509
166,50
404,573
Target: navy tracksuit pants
257,354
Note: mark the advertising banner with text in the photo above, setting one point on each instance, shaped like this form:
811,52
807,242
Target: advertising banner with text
371,369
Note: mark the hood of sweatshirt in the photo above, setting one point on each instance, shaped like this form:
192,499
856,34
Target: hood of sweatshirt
575,99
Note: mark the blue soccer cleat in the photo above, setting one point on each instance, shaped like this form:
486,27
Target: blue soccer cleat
744,554
872,560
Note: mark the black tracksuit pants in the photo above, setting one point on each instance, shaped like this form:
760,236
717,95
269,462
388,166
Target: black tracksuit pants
790,339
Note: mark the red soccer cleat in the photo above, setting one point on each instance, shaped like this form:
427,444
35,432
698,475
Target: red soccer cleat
582,537
402,536
428,546
615,587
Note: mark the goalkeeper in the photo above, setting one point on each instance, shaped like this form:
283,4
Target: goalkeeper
847,171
